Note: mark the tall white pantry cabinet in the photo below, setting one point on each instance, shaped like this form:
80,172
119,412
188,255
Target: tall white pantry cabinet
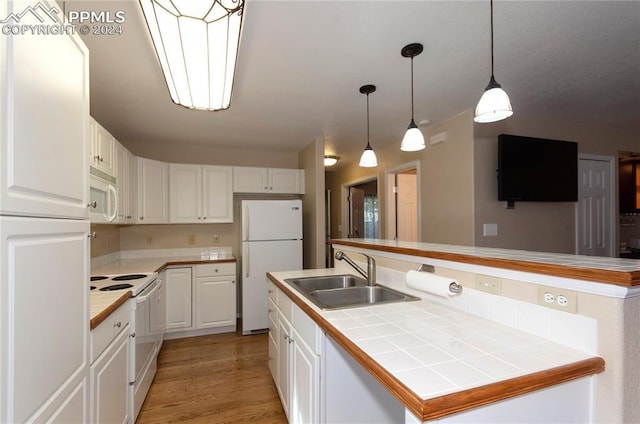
44,227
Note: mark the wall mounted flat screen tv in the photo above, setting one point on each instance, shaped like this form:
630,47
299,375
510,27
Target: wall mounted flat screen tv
537,169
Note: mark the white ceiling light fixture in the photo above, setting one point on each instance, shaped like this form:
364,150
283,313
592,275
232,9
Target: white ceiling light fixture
494,105
413,139
197,45
330,160
368,158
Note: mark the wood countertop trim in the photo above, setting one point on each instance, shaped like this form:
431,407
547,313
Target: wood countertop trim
441,406
620,278
98,319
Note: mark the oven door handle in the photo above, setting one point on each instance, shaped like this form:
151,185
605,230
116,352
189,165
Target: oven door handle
149,291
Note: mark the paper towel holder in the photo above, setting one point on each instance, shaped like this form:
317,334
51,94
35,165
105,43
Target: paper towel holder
454,288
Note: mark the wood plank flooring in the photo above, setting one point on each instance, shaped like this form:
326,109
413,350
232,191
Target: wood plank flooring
222,378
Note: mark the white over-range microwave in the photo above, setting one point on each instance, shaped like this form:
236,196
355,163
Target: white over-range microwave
103,197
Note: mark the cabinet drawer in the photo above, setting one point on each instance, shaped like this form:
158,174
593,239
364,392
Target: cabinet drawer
213,270
102,335
273,290
306,328
285,304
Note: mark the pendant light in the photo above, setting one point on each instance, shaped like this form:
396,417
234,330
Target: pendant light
494,105
413,139
368,158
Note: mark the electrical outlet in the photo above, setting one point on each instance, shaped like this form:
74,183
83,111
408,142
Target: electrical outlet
489,284
556,298
216,238
191,239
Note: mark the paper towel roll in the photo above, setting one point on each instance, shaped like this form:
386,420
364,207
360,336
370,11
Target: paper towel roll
431,283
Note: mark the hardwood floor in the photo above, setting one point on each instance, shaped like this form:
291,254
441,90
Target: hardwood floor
222,378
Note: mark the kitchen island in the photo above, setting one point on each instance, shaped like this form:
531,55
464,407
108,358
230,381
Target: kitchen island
599,316
439,362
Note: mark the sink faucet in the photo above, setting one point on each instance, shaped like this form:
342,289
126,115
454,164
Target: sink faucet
370,275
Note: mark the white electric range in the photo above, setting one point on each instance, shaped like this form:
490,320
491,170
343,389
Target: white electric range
147,329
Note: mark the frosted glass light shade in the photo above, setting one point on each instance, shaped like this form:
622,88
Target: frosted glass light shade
330,160
494,105
197,46
368,158
413,139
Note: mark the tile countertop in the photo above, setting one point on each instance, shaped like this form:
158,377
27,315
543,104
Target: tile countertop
102,304
617,271
438,360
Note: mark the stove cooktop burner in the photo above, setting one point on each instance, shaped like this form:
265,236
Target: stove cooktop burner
128,277
116,287
98,277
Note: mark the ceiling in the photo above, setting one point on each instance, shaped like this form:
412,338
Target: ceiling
301,63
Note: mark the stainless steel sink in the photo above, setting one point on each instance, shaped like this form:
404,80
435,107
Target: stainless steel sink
345,291
309,284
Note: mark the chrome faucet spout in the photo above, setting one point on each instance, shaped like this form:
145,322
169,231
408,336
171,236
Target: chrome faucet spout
370,274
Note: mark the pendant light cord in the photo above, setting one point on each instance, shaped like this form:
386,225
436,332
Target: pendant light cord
412,87
368,145
491,3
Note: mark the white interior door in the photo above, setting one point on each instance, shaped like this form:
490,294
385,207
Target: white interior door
356,213
407,207
595,235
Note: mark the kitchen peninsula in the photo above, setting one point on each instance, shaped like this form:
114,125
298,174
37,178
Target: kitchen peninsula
602,301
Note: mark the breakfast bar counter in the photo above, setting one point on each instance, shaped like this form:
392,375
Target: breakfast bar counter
438,361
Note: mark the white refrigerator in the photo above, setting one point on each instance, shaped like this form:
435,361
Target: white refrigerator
271,242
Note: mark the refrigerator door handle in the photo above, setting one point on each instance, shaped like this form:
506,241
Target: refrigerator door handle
245,259
245,222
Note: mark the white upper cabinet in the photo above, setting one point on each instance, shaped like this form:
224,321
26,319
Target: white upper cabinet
200,193
44,122
153,191
268,180
102,148
127,182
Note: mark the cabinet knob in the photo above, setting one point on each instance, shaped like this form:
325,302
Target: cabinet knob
128,216
204,217
92,234
93,204
141,218
118,324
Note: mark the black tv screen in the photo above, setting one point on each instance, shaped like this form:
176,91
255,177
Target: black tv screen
537,169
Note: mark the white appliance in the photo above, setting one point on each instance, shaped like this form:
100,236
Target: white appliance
148,323
103,200
271,242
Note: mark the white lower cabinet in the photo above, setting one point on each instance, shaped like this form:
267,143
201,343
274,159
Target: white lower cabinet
294,358
178,299
110,368
201,299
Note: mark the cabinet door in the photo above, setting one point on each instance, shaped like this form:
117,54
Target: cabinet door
178,298
44,121
185,188
153,191
285,181
284,361
102,149
122,178
306,383
217,199
44,299
250,180
132,186
273,341
110,382
215,300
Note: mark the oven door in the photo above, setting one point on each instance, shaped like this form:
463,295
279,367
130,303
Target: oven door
146,341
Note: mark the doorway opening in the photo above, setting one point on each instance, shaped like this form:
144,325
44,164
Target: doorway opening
403,204
361,209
